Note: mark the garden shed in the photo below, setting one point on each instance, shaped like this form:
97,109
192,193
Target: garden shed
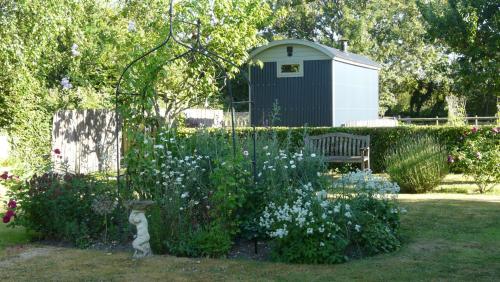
312,84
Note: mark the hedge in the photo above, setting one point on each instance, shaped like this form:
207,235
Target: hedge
382,138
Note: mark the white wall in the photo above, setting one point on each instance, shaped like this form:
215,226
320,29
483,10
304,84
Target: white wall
355,93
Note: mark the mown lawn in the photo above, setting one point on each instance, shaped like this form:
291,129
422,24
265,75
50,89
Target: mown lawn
446,237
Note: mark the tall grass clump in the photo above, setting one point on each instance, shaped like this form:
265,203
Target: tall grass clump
417,164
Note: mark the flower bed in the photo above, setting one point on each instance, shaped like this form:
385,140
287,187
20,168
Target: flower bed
358,216
206,199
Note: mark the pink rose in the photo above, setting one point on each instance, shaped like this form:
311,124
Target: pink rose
7,217
10,213
474,129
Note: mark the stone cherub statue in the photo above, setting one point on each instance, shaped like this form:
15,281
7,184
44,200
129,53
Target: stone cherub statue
138,218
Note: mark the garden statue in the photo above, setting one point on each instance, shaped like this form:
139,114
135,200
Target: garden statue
138,218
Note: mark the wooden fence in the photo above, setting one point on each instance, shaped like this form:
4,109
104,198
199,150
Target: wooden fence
442,120
241,119
86,140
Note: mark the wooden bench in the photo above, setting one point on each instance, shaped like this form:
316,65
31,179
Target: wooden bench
342,148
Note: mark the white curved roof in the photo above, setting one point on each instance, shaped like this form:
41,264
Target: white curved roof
332,53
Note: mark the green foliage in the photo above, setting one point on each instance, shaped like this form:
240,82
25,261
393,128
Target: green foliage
417,164
61,207
381,139
479,157
470,30
215,242
359,217
200,188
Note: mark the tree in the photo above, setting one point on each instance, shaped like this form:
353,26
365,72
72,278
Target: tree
471,30
195,79
53,55
415,74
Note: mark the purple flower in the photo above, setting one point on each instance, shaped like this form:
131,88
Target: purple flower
450,159
131,26
4,175
74,50
474,129
66,85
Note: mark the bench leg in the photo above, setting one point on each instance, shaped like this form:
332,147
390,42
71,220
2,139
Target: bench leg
362,165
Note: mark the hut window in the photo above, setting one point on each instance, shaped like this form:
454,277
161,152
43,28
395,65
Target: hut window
290,69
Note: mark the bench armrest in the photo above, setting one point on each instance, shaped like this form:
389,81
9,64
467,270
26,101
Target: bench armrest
365,151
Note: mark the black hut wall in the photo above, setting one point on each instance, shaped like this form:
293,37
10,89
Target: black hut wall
301,100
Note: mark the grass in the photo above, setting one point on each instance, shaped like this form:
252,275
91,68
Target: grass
444,239
459,183
12,236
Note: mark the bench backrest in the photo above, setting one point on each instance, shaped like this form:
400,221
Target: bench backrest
338,144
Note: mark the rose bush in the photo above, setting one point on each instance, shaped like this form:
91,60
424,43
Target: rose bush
479,157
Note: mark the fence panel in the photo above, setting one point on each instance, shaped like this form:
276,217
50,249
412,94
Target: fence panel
86,139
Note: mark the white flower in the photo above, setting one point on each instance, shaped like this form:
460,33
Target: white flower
185,195
313,155
293,166
357,227
321,244
348,215
292,162
245,153
159,147
65,83
74,50
265,147
260,174
310,230
131,26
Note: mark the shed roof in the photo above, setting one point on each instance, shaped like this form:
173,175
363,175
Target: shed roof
333,53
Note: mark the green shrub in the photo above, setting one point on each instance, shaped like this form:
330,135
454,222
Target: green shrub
198,185
417,164
64,207
479,157
214,242
358,217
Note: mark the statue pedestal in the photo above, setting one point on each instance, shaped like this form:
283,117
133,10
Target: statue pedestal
138,218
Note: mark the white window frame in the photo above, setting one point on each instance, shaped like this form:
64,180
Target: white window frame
300,73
